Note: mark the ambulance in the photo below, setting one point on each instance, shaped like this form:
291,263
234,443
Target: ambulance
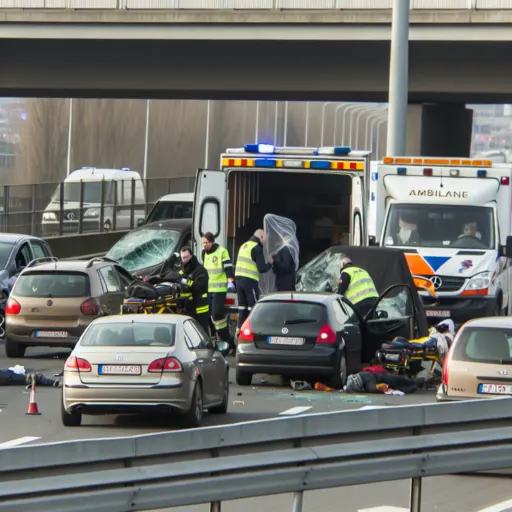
452,219
321,189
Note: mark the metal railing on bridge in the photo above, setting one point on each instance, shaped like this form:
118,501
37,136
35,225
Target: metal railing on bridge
253,4
259,458
54,209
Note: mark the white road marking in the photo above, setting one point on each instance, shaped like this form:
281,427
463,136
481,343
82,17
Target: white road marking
17,442
499,507
385,508
295,410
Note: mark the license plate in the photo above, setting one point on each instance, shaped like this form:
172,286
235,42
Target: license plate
392,357
130,308
107,369
495,389
437,313
281,340
51,334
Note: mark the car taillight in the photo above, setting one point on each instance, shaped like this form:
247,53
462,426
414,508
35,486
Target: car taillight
12,307
326,335
77,364
229,302
90,307
245,335
165,364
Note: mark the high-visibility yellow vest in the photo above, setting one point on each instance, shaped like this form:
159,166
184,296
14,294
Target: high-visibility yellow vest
361,285
214,264
245,265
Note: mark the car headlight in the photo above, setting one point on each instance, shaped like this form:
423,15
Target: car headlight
480,281
49,216
92,213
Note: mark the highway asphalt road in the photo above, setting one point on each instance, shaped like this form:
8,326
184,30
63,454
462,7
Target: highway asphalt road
266,398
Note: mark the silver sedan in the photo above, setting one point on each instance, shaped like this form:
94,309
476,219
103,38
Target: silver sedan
126,364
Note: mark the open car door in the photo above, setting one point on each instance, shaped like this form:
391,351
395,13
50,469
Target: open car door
209,207
392,315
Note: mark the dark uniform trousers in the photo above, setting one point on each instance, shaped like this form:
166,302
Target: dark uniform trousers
248,293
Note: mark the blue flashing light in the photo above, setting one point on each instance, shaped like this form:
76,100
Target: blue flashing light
264,162
373,196
260,148
342,150
481,173
401,171
375,176
320,164
125,168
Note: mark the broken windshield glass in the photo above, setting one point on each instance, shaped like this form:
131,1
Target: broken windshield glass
144,248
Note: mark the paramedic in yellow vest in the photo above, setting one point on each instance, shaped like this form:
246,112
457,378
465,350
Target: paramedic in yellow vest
217,262
250,263
357,287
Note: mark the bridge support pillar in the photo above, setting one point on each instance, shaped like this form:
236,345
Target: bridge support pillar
442,130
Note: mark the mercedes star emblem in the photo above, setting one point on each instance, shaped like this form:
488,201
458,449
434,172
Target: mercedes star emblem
284,330
119,357
437,282
503,372
70,216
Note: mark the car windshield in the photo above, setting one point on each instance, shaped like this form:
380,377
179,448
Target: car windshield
278,314
437,225
52,284
484,345
128,334
164,210
323,272
5,251
92,192
144,248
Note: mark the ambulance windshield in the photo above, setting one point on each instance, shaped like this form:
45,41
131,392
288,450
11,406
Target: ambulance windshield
449,226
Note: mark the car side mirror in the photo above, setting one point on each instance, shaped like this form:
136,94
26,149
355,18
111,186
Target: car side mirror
508,247
382,315
141,222
222,347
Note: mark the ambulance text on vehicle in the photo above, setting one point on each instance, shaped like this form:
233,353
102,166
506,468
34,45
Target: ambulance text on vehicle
452,218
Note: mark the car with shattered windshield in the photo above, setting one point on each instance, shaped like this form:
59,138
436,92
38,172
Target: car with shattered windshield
144,249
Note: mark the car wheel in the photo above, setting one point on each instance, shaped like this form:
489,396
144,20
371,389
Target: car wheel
194,416
2,327
69,419
243,378
13,349
223,407
340,379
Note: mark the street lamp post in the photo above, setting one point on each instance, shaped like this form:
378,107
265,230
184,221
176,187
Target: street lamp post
398,79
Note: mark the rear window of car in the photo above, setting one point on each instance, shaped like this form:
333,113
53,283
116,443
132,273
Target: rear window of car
483,345
129,335
280,313
52,284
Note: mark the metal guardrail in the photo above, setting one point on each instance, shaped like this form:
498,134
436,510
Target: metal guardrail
254,4
23,208
258,458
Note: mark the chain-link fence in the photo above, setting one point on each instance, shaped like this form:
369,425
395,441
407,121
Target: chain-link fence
53,209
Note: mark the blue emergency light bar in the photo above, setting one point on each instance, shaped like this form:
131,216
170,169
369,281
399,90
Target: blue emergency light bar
260,148
269,149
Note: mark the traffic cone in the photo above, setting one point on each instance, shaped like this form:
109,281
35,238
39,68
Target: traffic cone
33,410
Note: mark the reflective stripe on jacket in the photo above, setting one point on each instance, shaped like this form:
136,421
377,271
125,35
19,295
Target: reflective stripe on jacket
245,265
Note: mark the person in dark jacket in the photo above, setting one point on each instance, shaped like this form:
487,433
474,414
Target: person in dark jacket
284,269
11,378
250,263
367,382
195,281
357,286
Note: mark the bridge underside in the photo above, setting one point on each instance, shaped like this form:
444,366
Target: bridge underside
266,70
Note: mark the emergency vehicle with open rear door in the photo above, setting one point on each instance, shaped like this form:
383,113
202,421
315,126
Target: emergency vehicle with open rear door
452,217
321,189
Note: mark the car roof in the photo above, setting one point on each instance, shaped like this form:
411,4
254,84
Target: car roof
68,265
142,319
14,237
168,224
319,297
492,321
183,196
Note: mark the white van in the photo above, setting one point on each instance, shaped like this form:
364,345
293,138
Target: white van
171,206
87,185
